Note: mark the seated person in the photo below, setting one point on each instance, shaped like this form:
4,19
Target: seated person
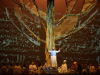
92,68
63,67
40,68
79,69
25,70
4,69
98,69
17,69
10,69
86,70
32,68
46,67
73,67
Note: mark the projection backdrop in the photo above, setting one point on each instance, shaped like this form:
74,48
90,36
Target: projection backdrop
19,43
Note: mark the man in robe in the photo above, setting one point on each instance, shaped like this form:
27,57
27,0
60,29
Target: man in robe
53,58
32,68
63,67
73,68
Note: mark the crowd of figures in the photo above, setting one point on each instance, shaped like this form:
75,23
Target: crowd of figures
45,69
77,68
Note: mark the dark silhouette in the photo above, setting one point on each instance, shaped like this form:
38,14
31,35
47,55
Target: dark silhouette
79,69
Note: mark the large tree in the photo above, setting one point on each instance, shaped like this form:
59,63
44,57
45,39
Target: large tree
56,29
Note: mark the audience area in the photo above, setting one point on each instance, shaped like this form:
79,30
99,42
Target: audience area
44,68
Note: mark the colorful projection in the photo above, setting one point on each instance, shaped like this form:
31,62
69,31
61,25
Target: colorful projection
29,28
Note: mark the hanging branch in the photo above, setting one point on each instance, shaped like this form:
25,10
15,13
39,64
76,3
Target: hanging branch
26,8
44,25
82,25
30,39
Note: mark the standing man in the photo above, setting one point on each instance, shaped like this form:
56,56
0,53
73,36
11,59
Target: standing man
53,58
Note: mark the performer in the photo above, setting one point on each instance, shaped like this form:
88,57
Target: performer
73,68
63,67
53,58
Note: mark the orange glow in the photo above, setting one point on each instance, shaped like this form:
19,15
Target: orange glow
42,4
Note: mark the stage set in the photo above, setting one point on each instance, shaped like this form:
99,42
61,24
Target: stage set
55,32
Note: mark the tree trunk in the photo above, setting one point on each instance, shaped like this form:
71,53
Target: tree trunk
50,30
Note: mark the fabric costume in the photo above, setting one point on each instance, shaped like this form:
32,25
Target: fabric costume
63,68
44,67
53,58
32,69
73,67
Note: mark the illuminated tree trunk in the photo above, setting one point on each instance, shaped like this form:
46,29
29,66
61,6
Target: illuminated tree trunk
50,30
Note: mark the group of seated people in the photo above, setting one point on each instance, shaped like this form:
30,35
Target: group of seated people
32,69
77,68
90,69
74,68
42,69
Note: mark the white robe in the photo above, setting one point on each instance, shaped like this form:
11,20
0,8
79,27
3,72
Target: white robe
63,68
53,59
